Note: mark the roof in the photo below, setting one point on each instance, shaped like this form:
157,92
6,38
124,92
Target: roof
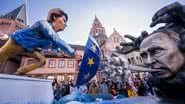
13,14
18,14
78,47
116,33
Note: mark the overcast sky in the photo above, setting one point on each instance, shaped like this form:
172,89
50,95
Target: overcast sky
126,16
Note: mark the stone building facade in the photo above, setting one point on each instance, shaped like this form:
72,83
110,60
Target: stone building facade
109,44
112,43
98,31
11,22
134,58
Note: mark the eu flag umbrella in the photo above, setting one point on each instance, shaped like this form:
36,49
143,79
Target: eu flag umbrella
90,62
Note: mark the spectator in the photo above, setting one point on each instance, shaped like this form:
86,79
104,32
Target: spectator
83,89
130,92
113,90
72,88
93,89
60,92
123,91
103,88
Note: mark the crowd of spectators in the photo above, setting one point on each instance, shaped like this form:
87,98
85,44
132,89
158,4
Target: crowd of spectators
137,86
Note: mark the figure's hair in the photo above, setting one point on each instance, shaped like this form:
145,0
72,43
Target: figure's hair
177,33
54,13
172,34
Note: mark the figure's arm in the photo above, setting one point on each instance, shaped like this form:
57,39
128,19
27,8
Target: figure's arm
63,46
58,43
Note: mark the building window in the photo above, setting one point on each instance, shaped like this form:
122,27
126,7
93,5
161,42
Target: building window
60,78
17,27
70,78
20,20
51,64
140,59
70,64
50,77
129,61
61,63
5,24
30,61
137,58
133,61
114,39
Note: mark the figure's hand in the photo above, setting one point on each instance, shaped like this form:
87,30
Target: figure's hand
60,54
134,45
78,57
173,13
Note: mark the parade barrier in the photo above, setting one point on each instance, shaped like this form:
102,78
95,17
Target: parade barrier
24,90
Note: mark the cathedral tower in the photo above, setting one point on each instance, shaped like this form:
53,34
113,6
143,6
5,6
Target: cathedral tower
98,31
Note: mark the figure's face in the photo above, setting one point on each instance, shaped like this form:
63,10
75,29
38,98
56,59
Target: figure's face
159,51
59,23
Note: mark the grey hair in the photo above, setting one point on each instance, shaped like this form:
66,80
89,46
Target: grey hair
176,35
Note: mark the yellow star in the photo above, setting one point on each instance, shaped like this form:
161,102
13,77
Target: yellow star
93,47
86,76
90,62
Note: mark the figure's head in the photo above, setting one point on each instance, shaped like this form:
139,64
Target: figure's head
93,84
58,18
160,50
